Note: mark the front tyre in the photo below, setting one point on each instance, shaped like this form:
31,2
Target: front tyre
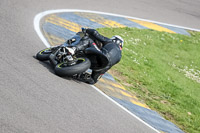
81,65
44,54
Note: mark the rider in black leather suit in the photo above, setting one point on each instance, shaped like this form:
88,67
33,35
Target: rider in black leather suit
109,53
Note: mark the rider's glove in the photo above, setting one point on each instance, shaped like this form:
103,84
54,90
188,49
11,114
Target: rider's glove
84,30
70,41
71,50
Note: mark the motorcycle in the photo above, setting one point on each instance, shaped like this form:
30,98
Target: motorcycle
70,65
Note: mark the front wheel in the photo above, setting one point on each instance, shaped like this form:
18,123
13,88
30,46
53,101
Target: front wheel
82,64
44,54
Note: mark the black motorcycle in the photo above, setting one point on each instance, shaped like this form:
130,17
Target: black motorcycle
70,65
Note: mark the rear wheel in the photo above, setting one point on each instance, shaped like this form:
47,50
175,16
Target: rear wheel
81,65
44,54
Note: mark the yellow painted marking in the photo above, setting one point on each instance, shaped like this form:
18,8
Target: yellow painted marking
118,86
61,40
54,40
64,23
128,95
139,104
48,38
113,84
101,20
102,80
133,99
152,25
162,132
110,88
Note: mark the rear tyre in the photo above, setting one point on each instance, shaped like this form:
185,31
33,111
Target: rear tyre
81,65
44,54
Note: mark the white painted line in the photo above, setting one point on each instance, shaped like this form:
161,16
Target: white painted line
38,30
39,16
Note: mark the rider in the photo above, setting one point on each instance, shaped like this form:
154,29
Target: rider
110,49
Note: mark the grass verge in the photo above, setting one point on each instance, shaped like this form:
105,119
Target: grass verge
164,70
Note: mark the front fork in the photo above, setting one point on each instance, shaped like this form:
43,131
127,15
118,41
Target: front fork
52,58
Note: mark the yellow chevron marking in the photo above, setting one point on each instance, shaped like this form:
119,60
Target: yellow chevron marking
110,88
118,86
48,38
151,25
113,84
53,40
128,95
133,99
58,39
139,104
64,23
101,20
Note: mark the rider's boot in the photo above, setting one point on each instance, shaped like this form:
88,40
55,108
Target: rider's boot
84,77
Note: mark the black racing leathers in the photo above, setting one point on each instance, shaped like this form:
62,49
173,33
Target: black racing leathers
109,49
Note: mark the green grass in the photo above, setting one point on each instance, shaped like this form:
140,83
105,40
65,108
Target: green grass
163,69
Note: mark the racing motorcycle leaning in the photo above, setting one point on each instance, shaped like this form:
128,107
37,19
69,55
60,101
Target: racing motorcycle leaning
65,63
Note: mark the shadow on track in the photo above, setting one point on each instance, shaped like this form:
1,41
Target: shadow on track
49,66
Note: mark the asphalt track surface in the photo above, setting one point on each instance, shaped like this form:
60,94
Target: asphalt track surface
33,99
